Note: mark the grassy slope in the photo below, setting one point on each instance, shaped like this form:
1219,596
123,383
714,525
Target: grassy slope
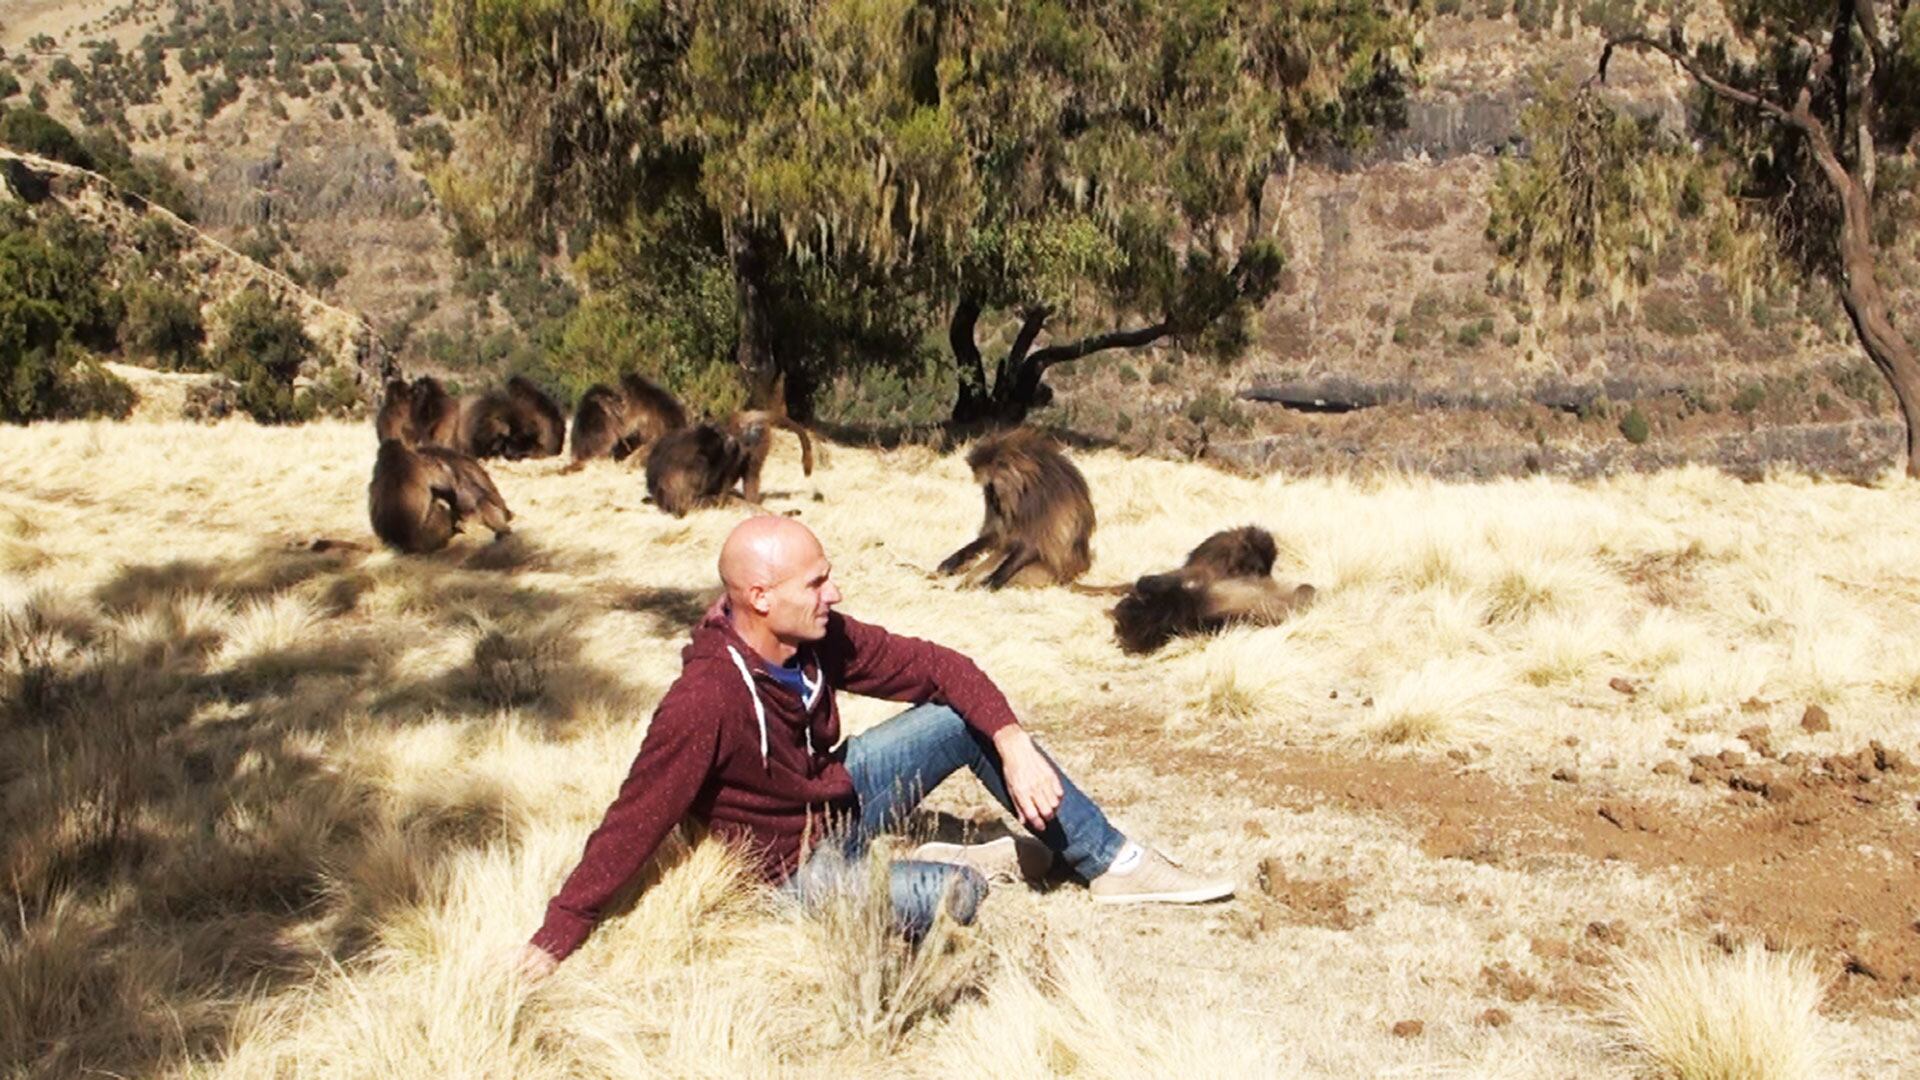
273,812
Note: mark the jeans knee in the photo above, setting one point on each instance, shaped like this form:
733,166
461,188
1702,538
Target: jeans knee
966,891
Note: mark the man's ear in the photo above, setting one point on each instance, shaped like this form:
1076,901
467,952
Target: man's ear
760,599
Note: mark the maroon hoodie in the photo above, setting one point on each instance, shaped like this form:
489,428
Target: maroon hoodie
753,759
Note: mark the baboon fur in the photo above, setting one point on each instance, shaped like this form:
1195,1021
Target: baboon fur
541,426
418,497
395,419
1227,579
699,466
1039,519
615,423
438,417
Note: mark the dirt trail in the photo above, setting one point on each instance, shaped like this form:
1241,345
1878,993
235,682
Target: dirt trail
1816,854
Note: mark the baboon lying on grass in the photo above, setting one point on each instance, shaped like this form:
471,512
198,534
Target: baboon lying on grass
418,497
1227,579
1039,518
699,466
614,423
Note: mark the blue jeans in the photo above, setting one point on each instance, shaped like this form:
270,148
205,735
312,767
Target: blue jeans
893,766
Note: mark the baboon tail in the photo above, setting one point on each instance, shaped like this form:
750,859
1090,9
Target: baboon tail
806,442
1099,590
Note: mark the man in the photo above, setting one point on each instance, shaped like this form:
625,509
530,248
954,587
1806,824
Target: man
745,739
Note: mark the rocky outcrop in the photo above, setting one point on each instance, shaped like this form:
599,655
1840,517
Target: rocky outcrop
344,339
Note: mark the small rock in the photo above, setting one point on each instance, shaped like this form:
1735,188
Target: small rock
1887,759
1607,933
1459,756
1367,704
1571,740
1566,775
1333,695
1623,686
1815,719
1732,759
1668,768
1496,1018
1676,744
1408,1029
1620,816
1754,704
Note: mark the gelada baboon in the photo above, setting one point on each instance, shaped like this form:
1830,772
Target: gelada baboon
519,422
614,423
438,417
395,419
1039,513
700,465
418,497
1227,579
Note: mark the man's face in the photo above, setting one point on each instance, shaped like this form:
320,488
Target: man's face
797,605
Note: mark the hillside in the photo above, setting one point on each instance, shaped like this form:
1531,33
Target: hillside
267,811
306,141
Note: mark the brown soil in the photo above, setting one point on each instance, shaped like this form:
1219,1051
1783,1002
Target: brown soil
1814,854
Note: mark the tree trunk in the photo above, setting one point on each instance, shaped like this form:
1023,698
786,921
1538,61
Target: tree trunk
973,402
753,349
1867,306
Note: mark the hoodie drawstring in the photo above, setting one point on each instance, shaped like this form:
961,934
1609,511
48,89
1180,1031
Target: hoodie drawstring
760,709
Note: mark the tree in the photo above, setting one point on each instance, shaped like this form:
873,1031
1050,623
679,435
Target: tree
1094,173
1800,160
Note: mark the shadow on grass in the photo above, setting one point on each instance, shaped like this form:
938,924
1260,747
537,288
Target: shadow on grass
184,826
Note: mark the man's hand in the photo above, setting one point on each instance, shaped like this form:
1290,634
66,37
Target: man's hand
534,964
1032,781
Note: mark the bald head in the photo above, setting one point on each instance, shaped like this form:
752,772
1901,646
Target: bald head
778,588
764,551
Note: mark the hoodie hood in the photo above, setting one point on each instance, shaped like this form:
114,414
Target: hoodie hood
715,641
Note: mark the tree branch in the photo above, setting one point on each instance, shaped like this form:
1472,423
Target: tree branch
1869,22
1692,67
1118,339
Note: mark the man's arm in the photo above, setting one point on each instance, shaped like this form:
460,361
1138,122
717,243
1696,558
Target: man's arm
675,759
900,668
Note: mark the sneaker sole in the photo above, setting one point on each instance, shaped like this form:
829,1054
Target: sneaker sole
1186,896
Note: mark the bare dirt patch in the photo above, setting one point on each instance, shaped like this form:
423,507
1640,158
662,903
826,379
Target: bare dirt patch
1817,854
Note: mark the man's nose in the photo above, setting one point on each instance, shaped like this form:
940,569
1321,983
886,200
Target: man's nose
832,595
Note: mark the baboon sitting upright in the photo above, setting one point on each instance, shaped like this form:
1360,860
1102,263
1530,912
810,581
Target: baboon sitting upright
439,418
1227,579
418,497
518,422
395,419
1039,519
700,465
614,423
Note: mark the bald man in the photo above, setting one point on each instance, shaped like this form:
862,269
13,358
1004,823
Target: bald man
747,741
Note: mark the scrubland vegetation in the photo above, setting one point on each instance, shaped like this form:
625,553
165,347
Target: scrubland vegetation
276,812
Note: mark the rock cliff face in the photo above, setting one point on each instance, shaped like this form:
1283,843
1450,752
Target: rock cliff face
344,339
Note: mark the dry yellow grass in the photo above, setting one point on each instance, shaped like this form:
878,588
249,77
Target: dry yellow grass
265,812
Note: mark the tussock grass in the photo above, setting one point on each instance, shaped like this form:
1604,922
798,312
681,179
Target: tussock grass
266,812
1700,1014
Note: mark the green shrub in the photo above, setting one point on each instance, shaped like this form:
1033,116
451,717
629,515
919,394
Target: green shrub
9,85
35,132
262,349
1749,399
164,326
1634,426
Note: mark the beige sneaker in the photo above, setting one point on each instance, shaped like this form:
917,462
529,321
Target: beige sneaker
1009,858
1155,879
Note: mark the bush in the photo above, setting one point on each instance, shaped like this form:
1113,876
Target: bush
1634,426
9,85
262,351
35,132
1749,399
164,326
